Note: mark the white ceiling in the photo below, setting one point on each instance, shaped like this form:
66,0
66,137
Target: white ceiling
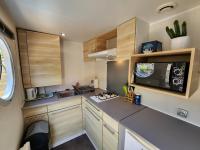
83,19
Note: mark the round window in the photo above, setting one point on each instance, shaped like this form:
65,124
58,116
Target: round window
7,78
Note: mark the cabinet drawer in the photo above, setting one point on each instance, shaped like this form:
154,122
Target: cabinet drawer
95,109
29,120
28,112
93,127
110,122
110,138
65,103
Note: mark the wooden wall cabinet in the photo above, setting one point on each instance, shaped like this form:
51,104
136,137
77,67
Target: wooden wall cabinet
93,45
126,35
130,35
24,60
40,58
97,44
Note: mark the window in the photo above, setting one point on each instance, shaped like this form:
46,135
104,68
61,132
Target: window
7,78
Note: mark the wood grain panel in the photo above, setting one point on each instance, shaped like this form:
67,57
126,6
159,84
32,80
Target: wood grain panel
89,47
111,122
96,110
110,138
65,123
126,38
65,103
93,126
29,120
44,59
34,111
24,61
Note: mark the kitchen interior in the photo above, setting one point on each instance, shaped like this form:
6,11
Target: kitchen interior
103,75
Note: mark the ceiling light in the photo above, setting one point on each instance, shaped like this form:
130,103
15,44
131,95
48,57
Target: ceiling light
166,7
62,34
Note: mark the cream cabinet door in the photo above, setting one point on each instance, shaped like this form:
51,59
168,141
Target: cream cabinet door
126,38
110,138
65,123
93,127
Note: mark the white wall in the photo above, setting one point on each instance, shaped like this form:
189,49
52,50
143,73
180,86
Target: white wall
74,67
101,73
11,120
169,104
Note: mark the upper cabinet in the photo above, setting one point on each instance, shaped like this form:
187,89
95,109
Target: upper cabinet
40,58
130,35
98,44
93,45
126,35
24,60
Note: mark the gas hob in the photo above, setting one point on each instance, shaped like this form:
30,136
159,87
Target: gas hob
105,96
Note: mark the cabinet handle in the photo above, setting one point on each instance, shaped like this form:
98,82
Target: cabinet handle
93,114
109,129
64,109
93,105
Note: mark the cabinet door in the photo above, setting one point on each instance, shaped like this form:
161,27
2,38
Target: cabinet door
126,39
24,61
30,120
89,47
134,142
94,45
65,123
110,138
93,126
44,59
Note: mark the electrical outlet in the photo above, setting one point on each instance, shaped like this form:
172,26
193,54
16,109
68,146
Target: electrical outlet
182,113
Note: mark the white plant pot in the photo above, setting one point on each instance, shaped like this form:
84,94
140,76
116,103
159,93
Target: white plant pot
180,42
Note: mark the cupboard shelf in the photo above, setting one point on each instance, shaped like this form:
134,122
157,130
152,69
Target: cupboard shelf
166,53
189,55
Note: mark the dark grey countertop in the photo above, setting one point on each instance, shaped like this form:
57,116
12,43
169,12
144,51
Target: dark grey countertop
118,108
46,101
54,99
110,107
164,131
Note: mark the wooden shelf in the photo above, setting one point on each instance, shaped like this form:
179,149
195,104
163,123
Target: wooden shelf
166,53
161,91
189,55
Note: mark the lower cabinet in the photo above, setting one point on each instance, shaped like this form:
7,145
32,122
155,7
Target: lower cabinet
65,123
93,127
132,141
110,138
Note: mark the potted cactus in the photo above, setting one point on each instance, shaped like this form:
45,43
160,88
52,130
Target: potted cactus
179,38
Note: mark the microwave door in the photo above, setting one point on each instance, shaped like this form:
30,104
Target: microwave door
168,75
153,74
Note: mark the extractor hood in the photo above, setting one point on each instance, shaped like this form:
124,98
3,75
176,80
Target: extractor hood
106,54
